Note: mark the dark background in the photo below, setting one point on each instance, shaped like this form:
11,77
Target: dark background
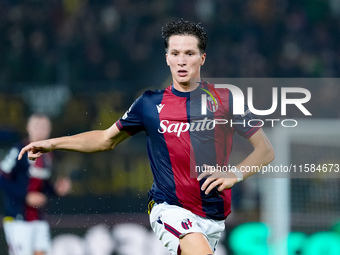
84,63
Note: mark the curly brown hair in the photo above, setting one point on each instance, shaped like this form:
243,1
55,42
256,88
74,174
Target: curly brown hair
184,27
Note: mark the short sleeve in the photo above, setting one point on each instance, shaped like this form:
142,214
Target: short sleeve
132,120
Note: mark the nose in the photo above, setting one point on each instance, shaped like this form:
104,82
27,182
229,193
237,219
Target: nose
182,60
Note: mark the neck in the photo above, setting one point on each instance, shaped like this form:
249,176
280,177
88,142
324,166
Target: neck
186,87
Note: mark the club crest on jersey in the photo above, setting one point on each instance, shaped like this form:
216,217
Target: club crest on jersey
186,223
210,100
212,104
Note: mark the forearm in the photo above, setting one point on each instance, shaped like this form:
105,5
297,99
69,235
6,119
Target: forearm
255,161
92,141
262,155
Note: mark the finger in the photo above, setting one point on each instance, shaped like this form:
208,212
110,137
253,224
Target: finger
212,185
203,175
207,182
33,156
224,186
23,151
227,184
208,170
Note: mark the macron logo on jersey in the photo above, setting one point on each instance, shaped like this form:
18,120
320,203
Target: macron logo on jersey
160,107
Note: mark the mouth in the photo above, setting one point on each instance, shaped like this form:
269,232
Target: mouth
182,72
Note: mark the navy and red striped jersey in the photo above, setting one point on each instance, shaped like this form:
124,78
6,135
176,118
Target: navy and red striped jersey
180,138
18,177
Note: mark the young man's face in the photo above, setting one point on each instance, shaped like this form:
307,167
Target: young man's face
184,59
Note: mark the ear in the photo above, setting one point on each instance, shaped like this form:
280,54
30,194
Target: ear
203,57
166,58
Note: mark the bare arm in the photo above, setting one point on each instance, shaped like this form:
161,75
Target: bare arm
92,141
262,155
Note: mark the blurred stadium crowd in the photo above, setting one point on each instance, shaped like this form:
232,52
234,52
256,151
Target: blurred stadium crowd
75,41
105,52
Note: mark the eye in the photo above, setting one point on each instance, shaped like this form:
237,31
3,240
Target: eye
174,53
190,53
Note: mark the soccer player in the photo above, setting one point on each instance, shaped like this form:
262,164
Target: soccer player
26,186
186,213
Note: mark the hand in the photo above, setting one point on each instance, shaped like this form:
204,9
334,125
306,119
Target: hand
63,186
224,180
36,149
36,199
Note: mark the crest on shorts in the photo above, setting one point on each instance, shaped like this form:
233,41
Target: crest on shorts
186,223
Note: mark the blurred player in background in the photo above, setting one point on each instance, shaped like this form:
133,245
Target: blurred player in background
25,185
187,214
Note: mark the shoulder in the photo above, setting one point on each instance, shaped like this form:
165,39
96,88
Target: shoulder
144,100
153,96
152,93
